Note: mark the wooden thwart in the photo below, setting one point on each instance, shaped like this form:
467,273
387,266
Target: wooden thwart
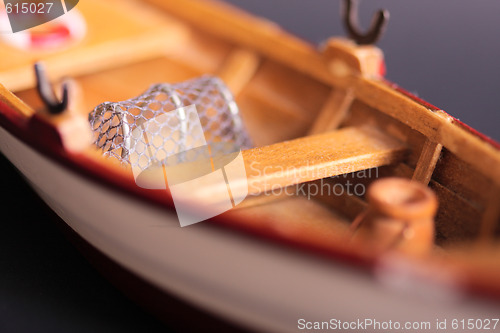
320,156
311,158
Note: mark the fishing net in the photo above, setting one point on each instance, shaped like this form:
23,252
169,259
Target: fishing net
169,119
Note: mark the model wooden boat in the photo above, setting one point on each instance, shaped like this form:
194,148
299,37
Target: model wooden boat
326,113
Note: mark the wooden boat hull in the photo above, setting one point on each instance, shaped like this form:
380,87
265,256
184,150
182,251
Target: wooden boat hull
238,276
257,285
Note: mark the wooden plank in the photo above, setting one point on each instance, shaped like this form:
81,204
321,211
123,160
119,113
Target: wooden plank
238,70
427,162
312,158
384,98
297,219
15,103
463,179
319,156
456,220
333,112
277,169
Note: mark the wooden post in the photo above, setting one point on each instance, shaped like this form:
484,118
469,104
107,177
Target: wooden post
431,151
344,59
70,129
333,112
400,217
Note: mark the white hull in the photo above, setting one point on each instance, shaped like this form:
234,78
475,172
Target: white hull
258,284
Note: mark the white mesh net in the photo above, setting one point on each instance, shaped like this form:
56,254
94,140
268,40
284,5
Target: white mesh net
143,131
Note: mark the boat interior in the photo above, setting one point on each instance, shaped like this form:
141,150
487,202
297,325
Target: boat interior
325,111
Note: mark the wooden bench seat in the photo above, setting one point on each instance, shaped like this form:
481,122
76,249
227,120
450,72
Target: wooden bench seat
310,158
320,156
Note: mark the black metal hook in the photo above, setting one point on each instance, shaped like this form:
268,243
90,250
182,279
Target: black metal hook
47,93
377,28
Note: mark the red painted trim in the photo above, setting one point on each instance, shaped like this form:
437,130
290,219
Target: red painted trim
485,290
475,132
411,96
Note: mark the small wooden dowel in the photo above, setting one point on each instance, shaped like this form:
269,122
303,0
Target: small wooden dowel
427,162
333,112
239,68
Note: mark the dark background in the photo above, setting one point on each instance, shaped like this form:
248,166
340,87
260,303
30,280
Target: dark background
446,52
